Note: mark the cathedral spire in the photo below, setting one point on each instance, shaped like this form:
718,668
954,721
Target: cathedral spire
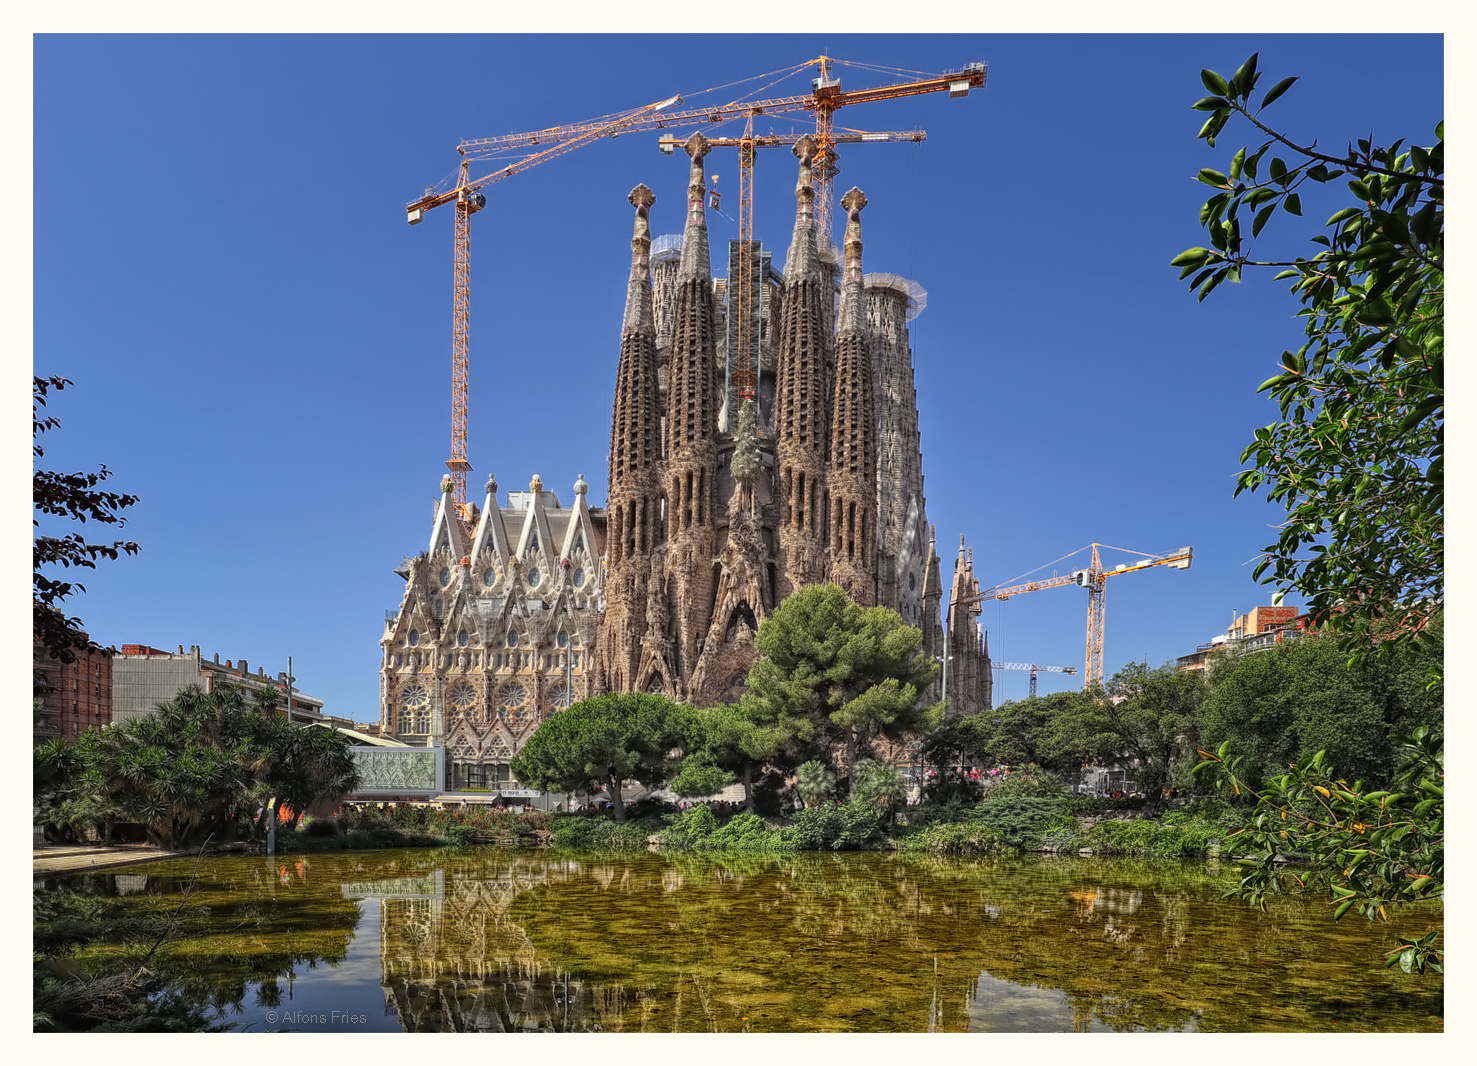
638,290
695,261
853,472
853,316
802,258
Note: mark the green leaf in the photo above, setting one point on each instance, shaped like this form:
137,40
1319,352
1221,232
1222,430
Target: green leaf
1278,89
1285,273
1339,216
1245,77
1208,103
1217,84
1293,204
1191,257
1213,177
1236,163
1261,220
1343,908
1278,169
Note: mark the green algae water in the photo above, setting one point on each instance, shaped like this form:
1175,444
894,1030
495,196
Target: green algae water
486,940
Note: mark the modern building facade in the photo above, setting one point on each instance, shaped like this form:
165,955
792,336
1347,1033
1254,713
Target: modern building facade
144,677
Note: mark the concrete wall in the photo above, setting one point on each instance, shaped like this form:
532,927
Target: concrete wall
140,685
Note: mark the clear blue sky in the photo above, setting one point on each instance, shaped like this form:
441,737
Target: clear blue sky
261,345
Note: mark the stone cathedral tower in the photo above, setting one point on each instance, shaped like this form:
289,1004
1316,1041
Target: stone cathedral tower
740,508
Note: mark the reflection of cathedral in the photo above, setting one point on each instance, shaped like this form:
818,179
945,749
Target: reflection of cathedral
717,508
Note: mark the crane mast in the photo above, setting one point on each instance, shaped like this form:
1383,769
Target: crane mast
1033,668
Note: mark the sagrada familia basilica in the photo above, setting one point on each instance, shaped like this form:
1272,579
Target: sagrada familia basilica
717,508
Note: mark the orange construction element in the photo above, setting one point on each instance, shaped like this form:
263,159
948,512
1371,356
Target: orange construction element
1093,578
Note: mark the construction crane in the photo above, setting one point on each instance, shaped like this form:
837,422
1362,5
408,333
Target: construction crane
1033,668
823,100
740,288
1094,579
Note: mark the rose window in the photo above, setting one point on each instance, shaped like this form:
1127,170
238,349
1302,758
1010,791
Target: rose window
415,709
516,705
462,699
561,698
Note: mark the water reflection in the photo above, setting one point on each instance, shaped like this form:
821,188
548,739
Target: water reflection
480,940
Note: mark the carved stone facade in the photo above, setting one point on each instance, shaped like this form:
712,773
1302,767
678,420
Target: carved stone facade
496,628
719,506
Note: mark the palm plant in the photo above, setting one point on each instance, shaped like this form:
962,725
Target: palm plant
814,781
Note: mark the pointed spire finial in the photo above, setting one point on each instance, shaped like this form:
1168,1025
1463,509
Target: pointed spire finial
581,486
805,151
639,312
695,235
536,485
492,484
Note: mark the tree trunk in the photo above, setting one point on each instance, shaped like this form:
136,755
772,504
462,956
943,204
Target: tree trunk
617,807
748,789
850,758
108,821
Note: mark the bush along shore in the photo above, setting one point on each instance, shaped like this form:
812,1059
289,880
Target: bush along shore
993,825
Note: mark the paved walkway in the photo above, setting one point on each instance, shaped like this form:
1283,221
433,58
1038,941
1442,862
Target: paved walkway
73,858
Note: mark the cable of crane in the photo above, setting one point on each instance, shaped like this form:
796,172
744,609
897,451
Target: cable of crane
885,70
785,73
1130,551
1043,566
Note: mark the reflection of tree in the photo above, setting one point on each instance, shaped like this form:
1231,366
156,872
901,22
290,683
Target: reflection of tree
245,927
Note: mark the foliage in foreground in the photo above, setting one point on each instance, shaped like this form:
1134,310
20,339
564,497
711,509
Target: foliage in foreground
1357,458
1375,849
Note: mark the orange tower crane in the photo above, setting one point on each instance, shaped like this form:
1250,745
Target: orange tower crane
824,99
1093,578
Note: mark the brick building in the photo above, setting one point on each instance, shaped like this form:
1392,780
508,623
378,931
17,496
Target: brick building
74,695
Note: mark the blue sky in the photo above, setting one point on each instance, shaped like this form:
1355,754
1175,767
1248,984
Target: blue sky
261,345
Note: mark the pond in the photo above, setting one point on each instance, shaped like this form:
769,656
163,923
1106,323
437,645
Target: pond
488,940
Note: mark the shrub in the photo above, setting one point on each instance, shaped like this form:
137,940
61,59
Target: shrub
1021,821
1033,781
848,827
956,838
697,828
572,832
320,827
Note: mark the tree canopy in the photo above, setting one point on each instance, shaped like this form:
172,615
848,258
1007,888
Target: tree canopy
833,672
75,497
604,741
1357,457
1283,704
192,767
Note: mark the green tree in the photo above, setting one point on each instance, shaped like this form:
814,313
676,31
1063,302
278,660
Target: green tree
1374,849
725,744
73,497
1147,717
831,671
1281,705
606,740
1022,733
1357,456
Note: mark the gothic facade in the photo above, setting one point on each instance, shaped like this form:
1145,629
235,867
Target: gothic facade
719,507
495,630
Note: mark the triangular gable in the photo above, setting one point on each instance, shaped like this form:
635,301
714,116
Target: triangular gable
492,537
446,533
